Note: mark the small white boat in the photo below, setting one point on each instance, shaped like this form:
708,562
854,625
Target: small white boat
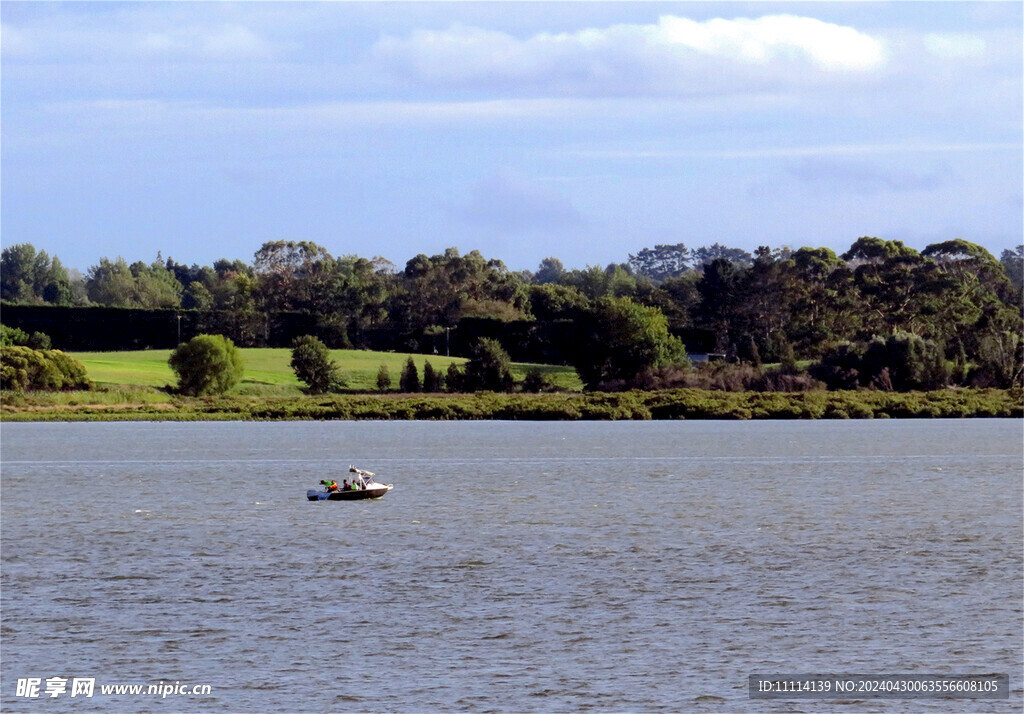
363,486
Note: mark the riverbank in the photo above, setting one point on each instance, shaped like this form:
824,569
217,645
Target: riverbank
156,405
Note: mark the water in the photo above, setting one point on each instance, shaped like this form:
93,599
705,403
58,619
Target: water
514,567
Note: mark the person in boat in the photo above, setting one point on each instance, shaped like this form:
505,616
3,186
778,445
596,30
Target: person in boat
345,486
359,482
329,486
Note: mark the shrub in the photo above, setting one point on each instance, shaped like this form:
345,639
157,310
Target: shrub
23,369
206,364
536,382
899,363
905,361
840,367
312,363
11,336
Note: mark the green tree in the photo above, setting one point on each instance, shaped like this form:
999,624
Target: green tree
550,270
1013,266
489,368
291,275
1000,360
823,304
433,381
705,255
442,289
30,277
622,340
899,289
111,283
453,378
383,379
661,263
556,302
409,381
207,364
197,297
615,280
117,284
722,291
312,363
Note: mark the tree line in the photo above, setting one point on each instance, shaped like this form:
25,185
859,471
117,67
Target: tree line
861,316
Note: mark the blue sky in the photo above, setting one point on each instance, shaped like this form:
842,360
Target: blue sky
583,131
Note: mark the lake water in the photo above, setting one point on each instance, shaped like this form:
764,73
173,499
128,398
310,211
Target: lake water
514,567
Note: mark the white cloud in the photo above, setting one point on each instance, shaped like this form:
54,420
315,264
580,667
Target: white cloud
829,46
674,54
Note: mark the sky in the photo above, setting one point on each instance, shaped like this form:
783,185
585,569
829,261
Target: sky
576,130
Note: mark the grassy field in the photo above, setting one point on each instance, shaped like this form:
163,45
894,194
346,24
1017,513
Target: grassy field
267,371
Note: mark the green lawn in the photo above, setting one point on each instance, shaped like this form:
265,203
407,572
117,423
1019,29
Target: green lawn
268,370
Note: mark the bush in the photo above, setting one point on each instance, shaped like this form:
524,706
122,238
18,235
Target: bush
900,363
11,336
312,363
904,362
23,369
206,364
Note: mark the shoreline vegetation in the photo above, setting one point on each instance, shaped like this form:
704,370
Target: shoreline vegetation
110,402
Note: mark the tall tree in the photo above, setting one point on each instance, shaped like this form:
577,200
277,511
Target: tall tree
823,300
33,277
705,255
661,262
489,368
442,289
140,285
897,285
1013,266
550,270
291,275
721,291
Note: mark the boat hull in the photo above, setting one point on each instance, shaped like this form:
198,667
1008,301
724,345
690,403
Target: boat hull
360,495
